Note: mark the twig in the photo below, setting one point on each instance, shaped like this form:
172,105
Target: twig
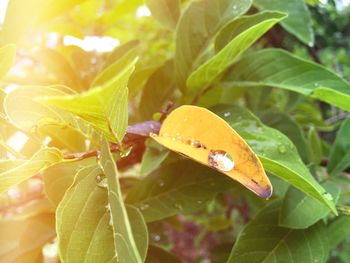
338,117
313,53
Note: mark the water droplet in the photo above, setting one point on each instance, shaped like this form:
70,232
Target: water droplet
282,149
125,152
328,196
155,237
220,160
35,185
161,183
178,206
152,134
226,114
144,206
101,180
14,193
103,183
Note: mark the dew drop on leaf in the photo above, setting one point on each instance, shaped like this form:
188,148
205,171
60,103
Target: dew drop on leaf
220,160
14,193
155,237
328,196
144,206
282,149
226,114
125,152
178,206
101,180
161,183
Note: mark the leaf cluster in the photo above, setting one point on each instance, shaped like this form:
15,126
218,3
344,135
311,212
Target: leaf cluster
82,181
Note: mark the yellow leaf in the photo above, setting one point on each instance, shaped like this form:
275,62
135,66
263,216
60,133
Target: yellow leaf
199,134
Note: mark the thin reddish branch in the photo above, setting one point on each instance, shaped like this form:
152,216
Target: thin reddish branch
134,138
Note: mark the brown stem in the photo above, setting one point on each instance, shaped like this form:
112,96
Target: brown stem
313,53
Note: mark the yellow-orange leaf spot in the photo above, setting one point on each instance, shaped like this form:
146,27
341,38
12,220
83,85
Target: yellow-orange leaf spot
201,135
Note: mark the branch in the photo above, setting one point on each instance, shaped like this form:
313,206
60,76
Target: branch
338,117
134,139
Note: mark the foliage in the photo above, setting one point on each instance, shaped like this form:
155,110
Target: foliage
98,152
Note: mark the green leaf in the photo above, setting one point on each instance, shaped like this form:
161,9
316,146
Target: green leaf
82,221
179,187
157,90
339,158
276,152
63,137
299,21
52,8
124,240
288,126
120,51
24,15
158,255
154,155
262,240
57,64
19,17
300,211
105,107
31,113
196,28
139,78
14,174
315,146
338,230
240,25
127,54
120,9
49,120
59,177
21,240
139,230
246,30
167,12
280,69
7,58
280,187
